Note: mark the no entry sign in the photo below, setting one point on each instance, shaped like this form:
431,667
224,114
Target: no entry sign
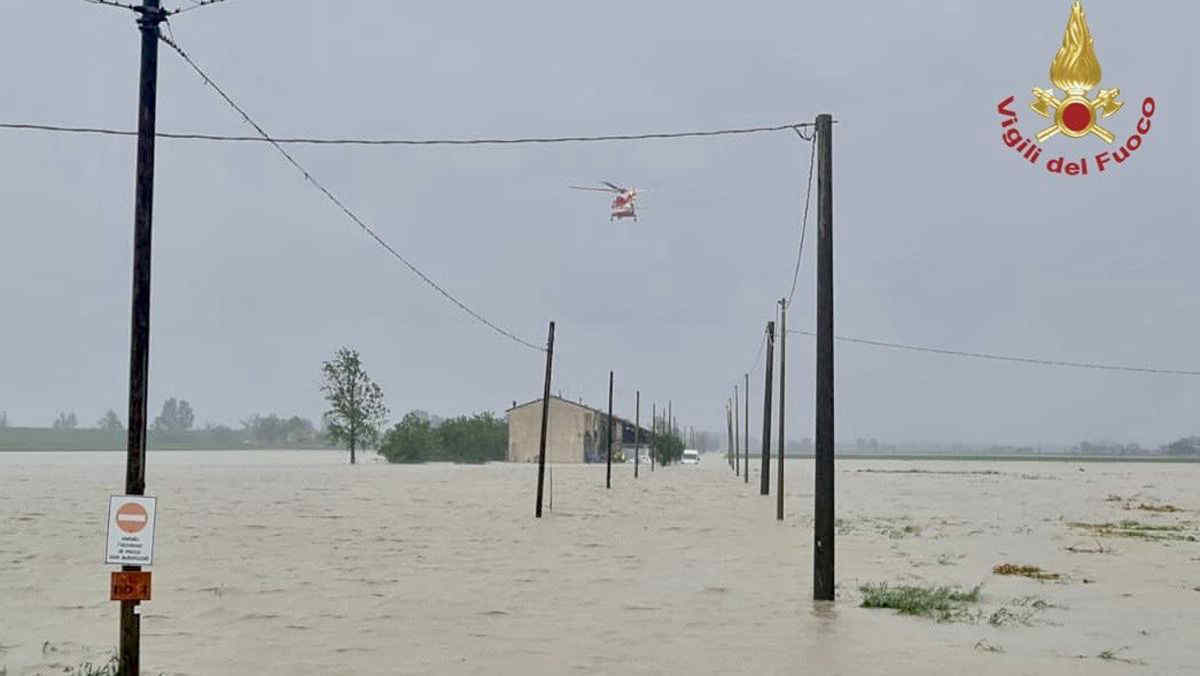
130,530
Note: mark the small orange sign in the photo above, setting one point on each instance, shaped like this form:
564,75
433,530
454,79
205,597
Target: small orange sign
133,585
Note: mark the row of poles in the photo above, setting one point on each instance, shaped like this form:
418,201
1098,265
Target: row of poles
667,423
823,527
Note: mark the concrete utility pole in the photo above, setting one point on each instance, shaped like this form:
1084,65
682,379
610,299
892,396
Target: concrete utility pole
737,450
537,512
765,480
608,475
782,414
150,15
823,579
637,434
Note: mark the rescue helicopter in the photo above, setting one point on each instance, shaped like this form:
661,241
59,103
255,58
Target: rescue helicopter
622,205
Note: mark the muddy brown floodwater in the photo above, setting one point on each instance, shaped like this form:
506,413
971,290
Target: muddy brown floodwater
294,563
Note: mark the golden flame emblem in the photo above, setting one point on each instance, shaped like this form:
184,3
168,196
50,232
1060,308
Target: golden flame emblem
1076,70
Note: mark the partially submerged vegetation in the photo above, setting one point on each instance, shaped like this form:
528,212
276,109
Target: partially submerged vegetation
943,604
1032,572
1135,529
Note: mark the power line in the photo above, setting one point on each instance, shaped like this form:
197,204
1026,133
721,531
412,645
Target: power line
191,136
807,198
997,357
196,4
346,210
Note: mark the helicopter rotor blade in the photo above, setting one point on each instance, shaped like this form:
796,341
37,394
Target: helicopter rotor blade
614,187
580,187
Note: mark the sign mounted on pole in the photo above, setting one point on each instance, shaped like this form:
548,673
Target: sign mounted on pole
130,530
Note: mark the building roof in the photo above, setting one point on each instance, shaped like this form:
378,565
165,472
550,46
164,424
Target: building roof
577,405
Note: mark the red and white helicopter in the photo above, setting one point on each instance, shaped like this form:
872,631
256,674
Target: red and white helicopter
622,204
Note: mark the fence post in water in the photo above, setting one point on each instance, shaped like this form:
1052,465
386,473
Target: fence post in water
637,434
608,471
823,532
764,487
537,512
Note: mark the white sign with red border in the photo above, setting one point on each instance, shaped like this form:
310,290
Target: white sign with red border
130,530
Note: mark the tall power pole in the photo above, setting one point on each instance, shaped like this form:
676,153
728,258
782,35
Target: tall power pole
537,512
150,15
746,425
782,414
823,531
737,450
765,478
637,434
608,472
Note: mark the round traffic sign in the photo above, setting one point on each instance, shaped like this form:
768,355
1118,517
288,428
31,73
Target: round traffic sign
132,517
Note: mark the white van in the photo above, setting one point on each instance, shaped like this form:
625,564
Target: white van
690,457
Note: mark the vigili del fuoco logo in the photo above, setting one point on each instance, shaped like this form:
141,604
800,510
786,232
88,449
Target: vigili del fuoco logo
1076,71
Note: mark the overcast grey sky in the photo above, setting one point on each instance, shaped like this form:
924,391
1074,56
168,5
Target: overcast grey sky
944,236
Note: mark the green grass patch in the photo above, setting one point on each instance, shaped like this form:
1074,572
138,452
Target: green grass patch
1136,529
943,604
1032,572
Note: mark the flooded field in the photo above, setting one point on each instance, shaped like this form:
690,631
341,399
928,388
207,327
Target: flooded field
296,563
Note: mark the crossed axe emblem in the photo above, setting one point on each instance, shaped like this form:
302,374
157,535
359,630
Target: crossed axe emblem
1105,105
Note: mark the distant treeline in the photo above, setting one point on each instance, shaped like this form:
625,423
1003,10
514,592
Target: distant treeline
172,430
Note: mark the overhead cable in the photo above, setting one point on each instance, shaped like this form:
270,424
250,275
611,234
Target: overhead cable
107,131
997,357
346,210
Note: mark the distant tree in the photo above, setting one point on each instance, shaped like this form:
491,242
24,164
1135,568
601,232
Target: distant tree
272,429
176,416
356,408
667,447
480,438
1185,446
222,435
3,419
111,422
411,440
66,421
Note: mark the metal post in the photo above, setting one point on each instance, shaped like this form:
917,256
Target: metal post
782,413
823,534
764,487
637,434
608,472
537,512
149,18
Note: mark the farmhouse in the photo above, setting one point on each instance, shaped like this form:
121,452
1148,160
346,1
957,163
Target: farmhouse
574,433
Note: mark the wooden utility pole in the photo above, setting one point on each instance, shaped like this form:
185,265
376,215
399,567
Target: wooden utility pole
823,534
537,511
637,434
782,412
149,17
653,433
746,425
765,480
608,474
737,449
